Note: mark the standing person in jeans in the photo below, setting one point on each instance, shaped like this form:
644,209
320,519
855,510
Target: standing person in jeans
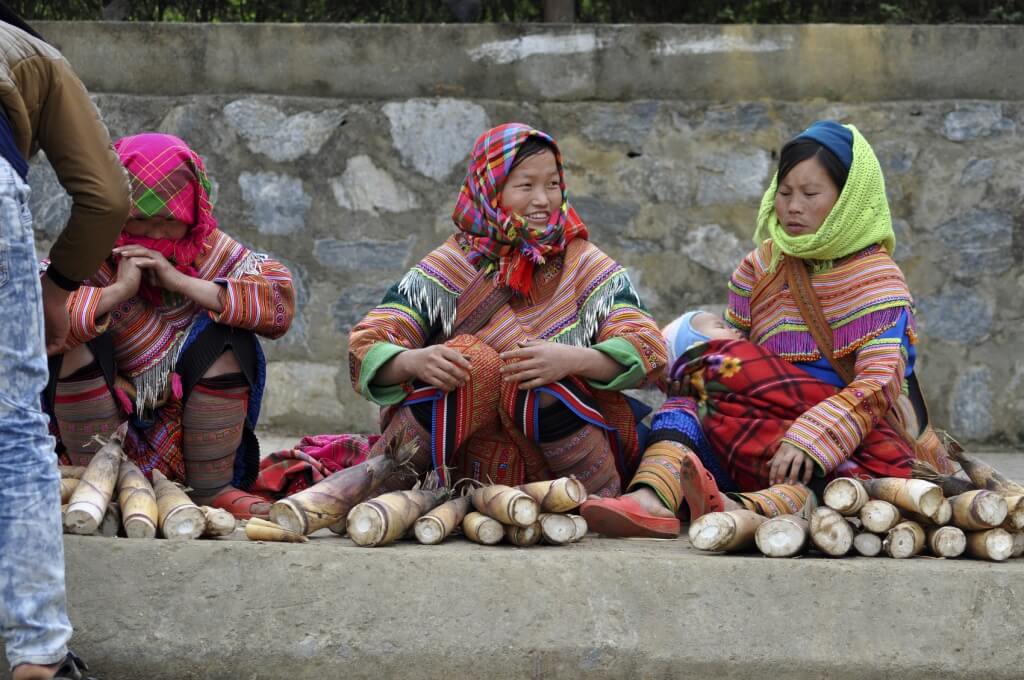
42,105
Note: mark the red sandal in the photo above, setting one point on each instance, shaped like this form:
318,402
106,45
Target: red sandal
240,503
623,517
700,491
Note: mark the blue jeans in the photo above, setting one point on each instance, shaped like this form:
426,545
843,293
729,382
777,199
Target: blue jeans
33,607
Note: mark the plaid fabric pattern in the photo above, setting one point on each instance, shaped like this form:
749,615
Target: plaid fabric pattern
503,241
167,178
316,457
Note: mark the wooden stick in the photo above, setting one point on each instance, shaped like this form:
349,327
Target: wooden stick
904,540
386,518
581,528
557,495
845,495
180,518
729,531
984,475
879,516
913,495
88,503
977,510
439,523
140,513
507,505
257,529
218,522
946,541
867,544
67,488
992,544
523,537
482,529
830,532
782,536
556,528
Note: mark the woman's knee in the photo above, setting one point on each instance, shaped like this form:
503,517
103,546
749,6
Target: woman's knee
226,363
75,360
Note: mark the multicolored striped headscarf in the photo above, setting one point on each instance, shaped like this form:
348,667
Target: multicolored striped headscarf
168,180
501,241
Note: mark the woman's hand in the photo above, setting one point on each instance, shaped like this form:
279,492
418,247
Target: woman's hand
679,388
790,465
129,278
155,267
539,362
437,365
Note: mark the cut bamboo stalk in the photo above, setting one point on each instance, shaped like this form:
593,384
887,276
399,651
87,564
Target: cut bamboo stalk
557,495
867,544
830,532
71,471
581,528
977,510
328,502
556,528
388,517
67,487
1018,545
507,505
951,485
946,541
88,503
1015,514
218,522
845,495
878,517
782,536
261,530
904,540
480,528
729,531
139,510
984,475
523,537
941,517
913,495
992,544
180,518
439,523
111,523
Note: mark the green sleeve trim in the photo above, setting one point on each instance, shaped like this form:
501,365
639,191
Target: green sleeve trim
626,354
383,395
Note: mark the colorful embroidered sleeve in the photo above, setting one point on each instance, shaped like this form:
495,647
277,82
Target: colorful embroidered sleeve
262,302
741,286
82,305
393,326
832,430
630,336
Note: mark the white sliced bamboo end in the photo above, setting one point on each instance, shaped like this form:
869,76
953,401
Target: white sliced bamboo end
993,544
482,529
557,529
879,516
82,519
781,537
184,522
943,515
581,527
261,530
904,540
868,545
524,537
284,514
139,527
524,511
991,509
845,495
947,541
366,525
429,530
711,531
830,532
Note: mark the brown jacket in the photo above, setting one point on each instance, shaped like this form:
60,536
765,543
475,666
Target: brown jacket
49,109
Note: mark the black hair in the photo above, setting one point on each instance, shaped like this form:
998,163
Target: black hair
531,147
9,16
800,149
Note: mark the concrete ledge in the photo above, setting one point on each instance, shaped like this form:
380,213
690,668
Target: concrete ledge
534,62
603,608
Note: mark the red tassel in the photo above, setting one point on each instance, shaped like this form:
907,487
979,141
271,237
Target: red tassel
520,276
124,401
176,388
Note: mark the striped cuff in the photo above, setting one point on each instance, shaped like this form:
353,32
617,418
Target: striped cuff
82,307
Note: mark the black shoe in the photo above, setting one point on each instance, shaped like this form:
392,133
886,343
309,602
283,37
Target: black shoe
72,669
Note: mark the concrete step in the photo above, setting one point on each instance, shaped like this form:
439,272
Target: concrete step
602,608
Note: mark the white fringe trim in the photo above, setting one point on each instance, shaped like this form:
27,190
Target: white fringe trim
595,309
439,303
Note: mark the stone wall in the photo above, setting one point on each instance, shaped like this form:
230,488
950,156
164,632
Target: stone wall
349,192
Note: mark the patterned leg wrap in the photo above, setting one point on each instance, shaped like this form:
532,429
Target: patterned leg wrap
213,421
587,455
661,471
781,499
84,407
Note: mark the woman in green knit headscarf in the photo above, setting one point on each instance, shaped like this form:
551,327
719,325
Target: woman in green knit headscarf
771,426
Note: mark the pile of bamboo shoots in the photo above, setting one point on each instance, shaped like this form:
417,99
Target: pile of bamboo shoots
944,516
111,497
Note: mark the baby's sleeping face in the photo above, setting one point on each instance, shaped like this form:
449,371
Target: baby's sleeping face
715,327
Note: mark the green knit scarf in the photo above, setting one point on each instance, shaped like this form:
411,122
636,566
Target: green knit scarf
859,218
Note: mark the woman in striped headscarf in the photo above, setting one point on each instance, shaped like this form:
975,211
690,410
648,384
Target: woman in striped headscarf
505,351
164,334
813,394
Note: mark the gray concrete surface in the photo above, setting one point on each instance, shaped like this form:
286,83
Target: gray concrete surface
599,609
537,63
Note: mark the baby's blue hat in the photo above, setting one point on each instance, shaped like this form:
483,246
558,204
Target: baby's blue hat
680,335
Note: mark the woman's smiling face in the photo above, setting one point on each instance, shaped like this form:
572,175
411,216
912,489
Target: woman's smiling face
805,197
533,189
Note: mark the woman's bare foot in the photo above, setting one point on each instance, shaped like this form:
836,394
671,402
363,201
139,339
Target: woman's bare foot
650,502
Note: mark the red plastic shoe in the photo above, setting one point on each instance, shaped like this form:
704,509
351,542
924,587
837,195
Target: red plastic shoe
623,517
240,503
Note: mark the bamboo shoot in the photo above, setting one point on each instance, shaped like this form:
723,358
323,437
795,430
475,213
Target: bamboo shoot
950,484
507,505
180,518
67,487
845,495
830,532
89,501
218,522
879,516
977,510
1018,545
482,529
992,544
139,510
388,517
782,536
524,537
984,475
257,529
912,495
111,524
557,495
581,528
867,544
904,540
439,523
729,531
946,541
1015,514
556,529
